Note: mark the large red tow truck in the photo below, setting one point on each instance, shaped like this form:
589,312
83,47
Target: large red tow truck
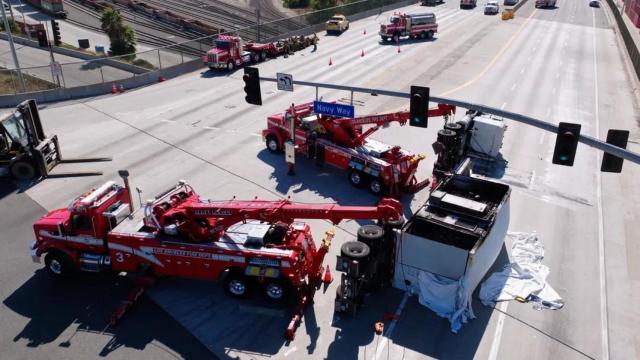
343,143
248,245
232,51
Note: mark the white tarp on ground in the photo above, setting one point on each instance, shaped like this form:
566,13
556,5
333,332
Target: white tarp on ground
524,278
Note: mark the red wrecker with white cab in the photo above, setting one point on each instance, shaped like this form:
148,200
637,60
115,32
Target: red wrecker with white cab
399,25
248,245
343,143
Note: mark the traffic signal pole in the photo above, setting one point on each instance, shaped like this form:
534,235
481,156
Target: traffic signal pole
527,120
13,50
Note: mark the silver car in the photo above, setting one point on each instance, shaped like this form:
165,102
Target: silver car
491,7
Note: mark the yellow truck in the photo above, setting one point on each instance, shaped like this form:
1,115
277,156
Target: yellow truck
337,24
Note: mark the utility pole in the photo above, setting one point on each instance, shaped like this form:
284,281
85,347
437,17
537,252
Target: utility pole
258,21
13,49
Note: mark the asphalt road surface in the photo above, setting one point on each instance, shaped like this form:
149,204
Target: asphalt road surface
561,64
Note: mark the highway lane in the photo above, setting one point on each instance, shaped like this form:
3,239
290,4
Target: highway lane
198,127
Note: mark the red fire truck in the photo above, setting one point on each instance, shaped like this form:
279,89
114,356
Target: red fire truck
249,245
400,25
342,142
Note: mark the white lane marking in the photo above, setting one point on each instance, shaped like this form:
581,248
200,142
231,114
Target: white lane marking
212,128
392,325
495,345
513,87
541,140
522,71
290,351
503,105
604,317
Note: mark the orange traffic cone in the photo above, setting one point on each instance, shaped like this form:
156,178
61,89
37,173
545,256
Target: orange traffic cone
398,49
330,62
114,89
327,276
121,88
362,53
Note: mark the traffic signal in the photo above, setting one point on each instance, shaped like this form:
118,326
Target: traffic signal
566,144
55,28
419,106
251,79
612,163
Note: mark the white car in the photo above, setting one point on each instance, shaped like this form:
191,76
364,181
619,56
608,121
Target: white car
491,7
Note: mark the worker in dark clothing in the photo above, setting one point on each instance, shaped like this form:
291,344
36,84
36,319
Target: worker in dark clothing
315,42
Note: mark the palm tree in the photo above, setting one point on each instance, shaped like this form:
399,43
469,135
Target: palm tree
121,36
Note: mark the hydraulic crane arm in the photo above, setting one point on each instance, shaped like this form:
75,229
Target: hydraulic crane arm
347,132
204,219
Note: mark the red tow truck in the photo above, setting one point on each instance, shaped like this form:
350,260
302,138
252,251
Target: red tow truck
232,51
343,143
248,245
399,25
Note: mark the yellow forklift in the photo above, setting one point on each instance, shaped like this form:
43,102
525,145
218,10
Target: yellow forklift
25,149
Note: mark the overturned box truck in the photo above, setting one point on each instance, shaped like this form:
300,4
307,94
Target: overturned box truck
441,253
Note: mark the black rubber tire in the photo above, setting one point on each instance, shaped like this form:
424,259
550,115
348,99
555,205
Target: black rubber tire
58,264
273,140
368,233
395,224
429,34
23,170
255,58
355,250
263,56
355,174
282,288
232,284
423,35
377,187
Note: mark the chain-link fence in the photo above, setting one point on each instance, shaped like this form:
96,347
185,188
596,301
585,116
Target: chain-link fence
96,69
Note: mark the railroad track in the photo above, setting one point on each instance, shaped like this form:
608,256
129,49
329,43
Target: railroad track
142,35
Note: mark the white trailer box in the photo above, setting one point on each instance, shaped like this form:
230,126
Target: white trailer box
447,247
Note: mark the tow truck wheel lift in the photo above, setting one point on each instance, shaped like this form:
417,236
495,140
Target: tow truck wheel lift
28,152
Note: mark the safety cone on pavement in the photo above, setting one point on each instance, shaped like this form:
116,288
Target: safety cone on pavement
398,49
362,53
121,88
330,62
327,276
114,89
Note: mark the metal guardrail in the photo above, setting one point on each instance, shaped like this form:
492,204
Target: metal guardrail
528,120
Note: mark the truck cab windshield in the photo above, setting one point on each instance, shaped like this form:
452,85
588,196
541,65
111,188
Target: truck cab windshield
14,127
394,19
223,44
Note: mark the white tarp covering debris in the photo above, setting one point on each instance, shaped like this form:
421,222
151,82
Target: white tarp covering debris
448,298
524,278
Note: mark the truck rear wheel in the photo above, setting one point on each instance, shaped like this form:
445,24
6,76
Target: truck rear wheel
355,250
272,144
58,264
276,290
236,285
263,56
356,178
23,170
429,34
377,187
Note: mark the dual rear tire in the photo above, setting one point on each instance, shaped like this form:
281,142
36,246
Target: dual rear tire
358,179
238,285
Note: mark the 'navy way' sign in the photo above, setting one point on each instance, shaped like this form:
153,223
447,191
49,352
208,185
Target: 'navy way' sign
331,109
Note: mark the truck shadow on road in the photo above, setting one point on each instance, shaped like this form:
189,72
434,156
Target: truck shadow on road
418,329
407,41
86,303
326,181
